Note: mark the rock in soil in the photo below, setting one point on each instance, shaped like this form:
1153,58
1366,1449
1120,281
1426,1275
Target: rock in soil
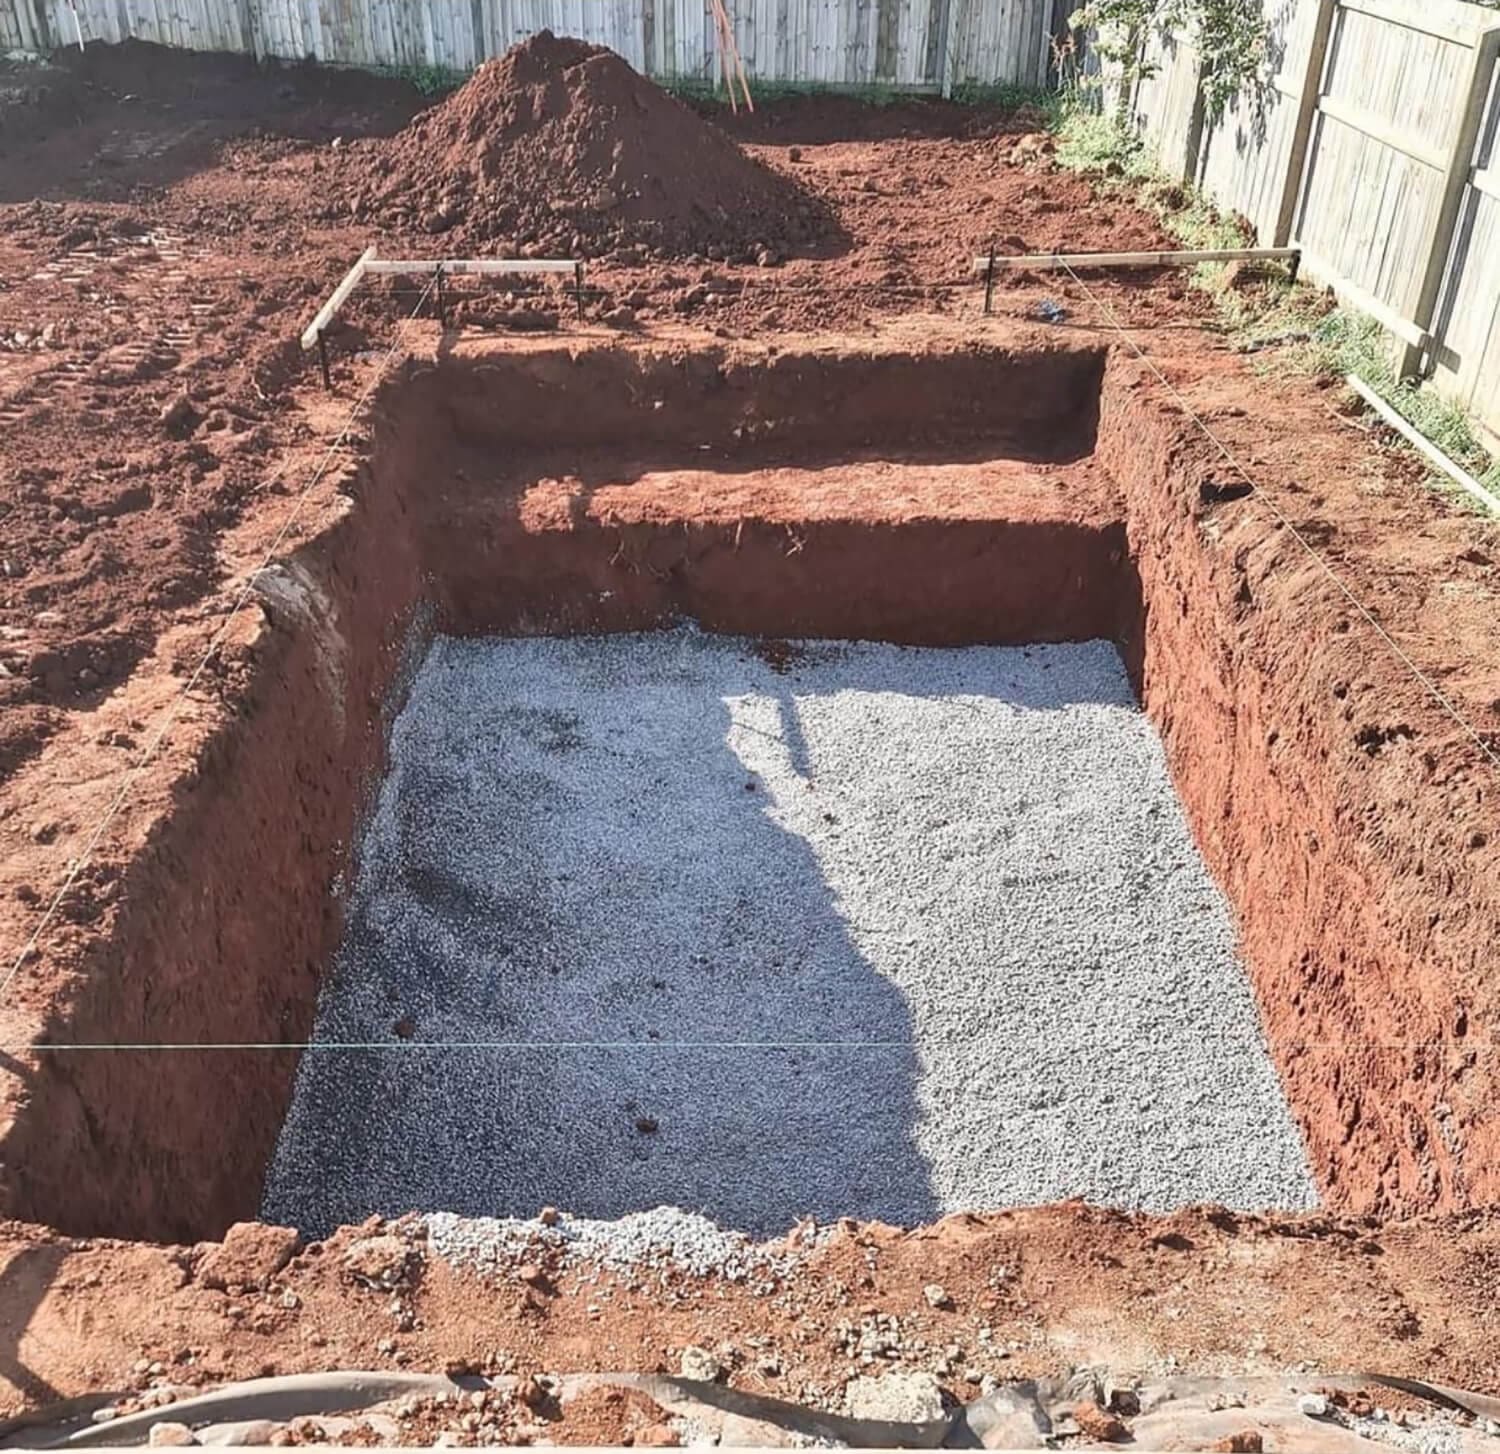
915,1398
170,1436
1096,1423
250,1255
700,1364
380,1262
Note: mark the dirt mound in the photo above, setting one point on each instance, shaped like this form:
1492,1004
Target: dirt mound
560,147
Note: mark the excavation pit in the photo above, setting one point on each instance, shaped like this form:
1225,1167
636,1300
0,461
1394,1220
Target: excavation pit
867,556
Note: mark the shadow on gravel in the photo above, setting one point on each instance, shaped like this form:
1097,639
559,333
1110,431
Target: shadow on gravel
609,887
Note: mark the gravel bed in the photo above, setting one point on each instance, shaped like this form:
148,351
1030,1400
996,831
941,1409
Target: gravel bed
763,933
662,1237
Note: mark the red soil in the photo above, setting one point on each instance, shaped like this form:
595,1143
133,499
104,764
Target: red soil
561,149
1352,823
1056,1287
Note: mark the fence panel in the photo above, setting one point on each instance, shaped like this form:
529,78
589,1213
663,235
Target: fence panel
997,42
1163,107
1381,197
1244,158
1376,172
18,28
833,42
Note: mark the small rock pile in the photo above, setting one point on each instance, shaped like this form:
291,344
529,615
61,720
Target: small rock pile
560,148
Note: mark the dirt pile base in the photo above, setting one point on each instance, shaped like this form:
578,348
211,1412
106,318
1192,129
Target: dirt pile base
561,146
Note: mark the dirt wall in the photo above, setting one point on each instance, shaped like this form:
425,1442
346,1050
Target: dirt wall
226,919
1338,812
228,913
1337,806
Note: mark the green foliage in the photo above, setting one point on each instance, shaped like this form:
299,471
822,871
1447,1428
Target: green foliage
701,91
1089,141
1230,37
1008,97
709,92
1310,337
429,80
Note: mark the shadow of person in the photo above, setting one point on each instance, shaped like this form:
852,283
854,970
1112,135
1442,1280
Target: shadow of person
24,1281
572,856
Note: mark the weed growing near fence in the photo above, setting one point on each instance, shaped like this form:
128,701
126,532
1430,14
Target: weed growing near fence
1307,332
431,81
1346,343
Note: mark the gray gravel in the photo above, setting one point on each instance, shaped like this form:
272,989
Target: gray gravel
888,933
662,1237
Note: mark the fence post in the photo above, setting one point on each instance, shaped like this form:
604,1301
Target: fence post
1307,114
1455,183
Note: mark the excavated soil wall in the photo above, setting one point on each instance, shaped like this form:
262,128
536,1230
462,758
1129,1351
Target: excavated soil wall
1343,812
512,493
231,912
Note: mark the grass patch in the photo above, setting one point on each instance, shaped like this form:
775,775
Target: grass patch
1008,97
1089,141
1317,340
709,92
1348,343
430,81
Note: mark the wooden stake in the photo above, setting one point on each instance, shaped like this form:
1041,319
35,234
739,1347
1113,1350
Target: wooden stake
314,330
1038,262
719,19
729,53
1423,445
734,51
467,267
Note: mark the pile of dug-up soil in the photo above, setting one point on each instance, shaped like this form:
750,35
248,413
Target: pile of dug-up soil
561,148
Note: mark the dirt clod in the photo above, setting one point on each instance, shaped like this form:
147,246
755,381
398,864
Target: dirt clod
383,1262
249,1256
180,417
1096,1423
1246,1441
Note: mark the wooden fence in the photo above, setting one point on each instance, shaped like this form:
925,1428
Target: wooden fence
911,44
1373,148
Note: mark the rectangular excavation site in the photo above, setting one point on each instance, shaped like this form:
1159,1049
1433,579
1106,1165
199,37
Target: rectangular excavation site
680,774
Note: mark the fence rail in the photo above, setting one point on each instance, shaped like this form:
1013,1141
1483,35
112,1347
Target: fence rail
1373,149
923,45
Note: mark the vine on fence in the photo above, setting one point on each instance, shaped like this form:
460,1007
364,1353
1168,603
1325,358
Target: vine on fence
1229,35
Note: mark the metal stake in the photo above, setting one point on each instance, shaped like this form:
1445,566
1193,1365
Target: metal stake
578,286
989,283
442,306
323,359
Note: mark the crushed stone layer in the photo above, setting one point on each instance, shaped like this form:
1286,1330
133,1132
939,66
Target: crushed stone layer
665,1237
766,932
